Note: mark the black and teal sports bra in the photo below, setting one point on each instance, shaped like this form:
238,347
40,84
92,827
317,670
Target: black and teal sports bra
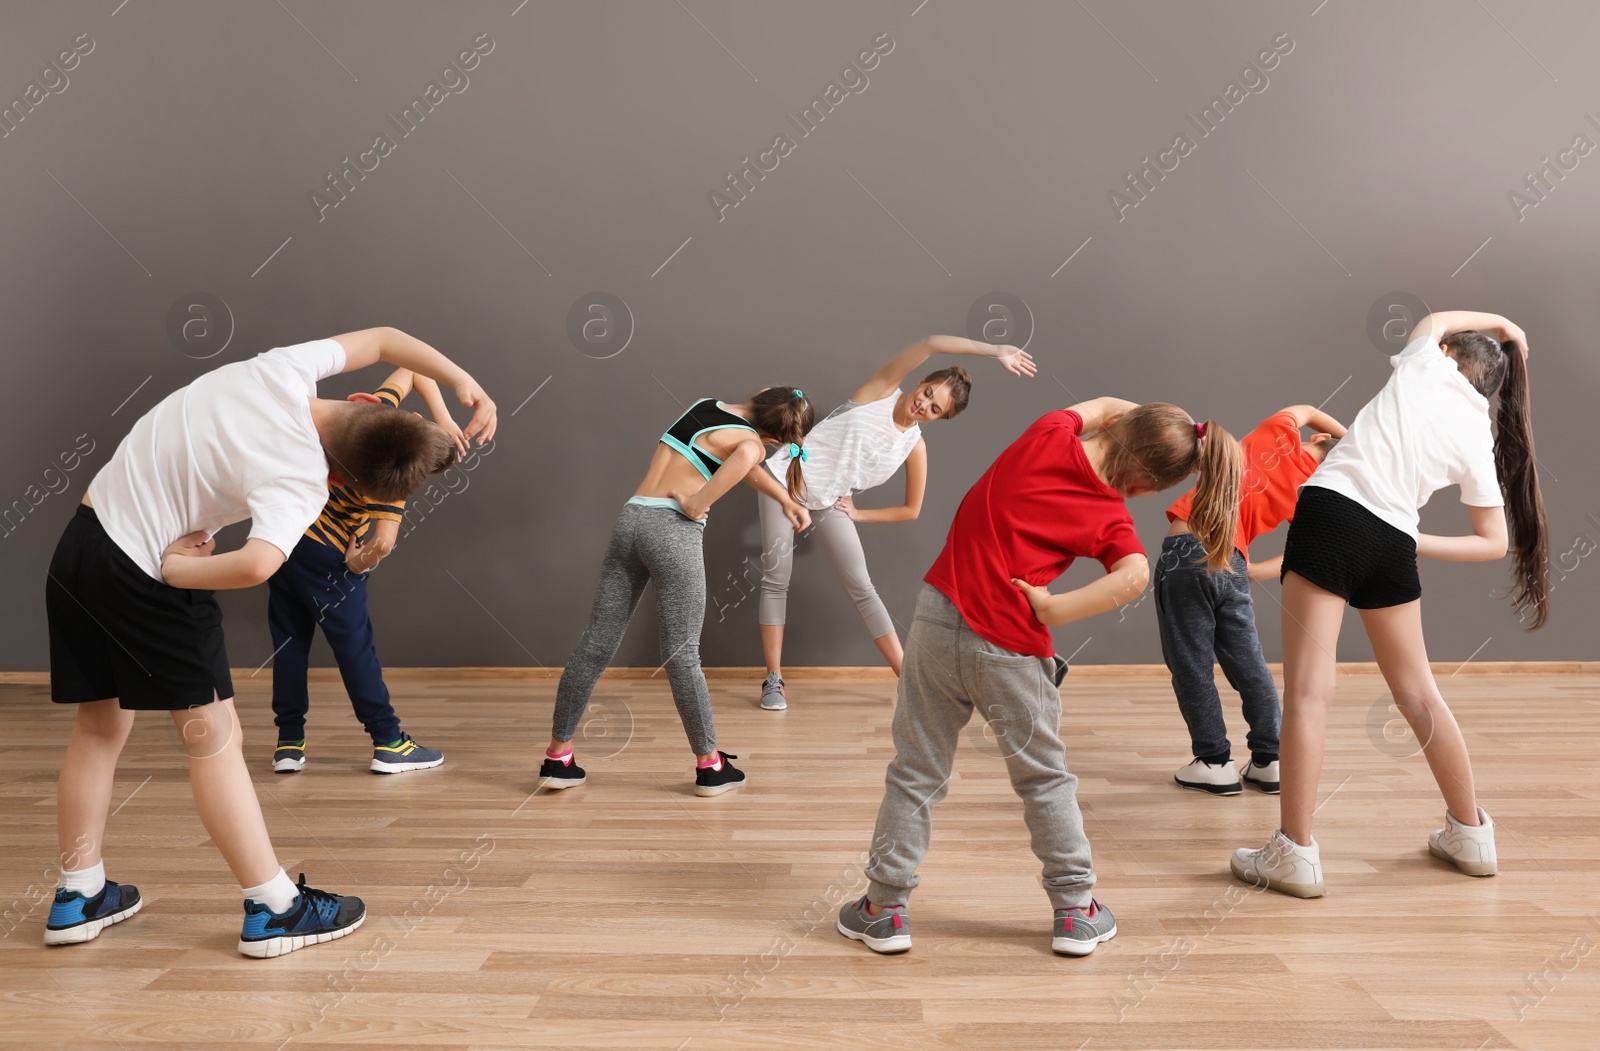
704,415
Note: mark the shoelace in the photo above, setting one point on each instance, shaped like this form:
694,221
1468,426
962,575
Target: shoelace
324,904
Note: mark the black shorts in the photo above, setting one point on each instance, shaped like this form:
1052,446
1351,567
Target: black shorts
115,631
1344,548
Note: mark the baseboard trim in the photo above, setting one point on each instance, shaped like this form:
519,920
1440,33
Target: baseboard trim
873,672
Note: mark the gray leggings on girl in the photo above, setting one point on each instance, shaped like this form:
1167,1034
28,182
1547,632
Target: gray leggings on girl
837,536
654,545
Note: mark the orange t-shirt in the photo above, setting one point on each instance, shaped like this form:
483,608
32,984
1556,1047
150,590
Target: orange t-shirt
1275,466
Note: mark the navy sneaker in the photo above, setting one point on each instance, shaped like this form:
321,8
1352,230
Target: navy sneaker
405,754
289,757
75,918
715,780
313,917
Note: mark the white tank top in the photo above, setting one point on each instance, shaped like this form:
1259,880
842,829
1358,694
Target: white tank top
857,447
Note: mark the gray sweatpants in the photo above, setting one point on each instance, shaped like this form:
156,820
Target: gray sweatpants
649,545
837,536
949,670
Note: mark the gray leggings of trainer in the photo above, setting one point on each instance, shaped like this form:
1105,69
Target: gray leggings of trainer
837,536
649,545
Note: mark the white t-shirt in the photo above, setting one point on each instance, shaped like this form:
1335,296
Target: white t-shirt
1428,428
859,446
236,443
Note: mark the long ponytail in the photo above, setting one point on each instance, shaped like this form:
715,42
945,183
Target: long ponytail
785,415
1160,445
1519,480
1214,516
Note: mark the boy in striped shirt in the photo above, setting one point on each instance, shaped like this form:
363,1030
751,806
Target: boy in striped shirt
324,582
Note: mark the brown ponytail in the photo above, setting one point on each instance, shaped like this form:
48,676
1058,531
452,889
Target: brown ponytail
1159,445
1493,369
784,415
1519,480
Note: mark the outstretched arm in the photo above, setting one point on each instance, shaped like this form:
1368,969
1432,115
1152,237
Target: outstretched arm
1099,413
1125,582
372,345
916,488
1448,322
1487,542
1316,419
909,360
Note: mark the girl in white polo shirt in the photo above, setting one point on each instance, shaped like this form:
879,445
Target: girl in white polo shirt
859,446
1354,540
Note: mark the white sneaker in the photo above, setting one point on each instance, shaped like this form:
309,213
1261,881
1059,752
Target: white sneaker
1220,779
1469,848
1262,777
1282,865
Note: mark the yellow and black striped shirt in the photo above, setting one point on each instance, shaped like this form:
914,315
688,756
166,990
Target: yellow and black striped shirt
347,511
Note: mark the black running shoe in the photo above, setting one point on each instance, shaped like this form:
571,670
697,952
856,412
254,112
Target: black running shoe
553,773
715,780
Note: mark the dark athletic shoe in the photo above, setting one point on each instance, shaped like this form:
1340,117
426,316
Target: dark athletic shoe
403,756
1262,777
1078,931
886,932
289,758
75,918
710,781
315,916
553,773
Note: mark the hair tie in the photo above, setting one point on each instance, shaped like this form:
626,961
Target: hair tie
803,454
798,393
1199,431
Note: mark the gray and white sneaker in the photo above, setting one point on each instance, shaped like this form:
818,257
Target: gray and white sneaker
1469,848
1078,931
772,697
1282,865
1263,777
1220,779
885,932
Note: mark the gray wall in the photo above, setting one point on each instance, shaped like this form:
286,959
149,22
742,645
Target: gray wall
1380,153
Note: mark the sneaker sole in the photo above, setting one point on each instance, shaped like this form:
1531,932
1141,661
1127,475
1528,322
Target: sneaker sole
1294,890
269,948
717,790
1079,947
380,767
1269,787
288,766
778,707
1216,790
1471,868
559,783
887,946
90,930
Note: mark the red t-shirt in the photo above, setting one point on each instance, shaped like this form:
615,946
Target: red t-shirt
1037,508
1275,465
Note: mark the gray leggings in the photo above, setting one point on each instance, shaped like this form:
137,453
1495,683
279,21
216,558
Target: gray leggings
837,535
648,545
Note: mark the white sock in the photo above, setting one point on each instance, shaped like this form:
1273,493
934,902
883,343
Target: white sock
277,894
87,882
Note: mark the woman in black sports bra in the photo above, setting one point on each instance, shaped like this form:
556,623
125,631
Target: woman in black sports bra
657,539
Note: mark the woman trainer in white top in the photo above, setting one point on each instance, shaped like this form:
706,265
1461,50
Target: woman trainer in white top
859,446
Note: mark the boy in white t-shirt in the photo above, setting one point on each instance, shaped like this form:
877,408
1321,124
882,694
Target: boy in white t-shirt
134,626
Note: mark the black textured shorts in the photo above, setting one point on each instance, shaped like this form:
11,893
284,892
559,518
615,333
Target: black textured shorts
115,631
1344,548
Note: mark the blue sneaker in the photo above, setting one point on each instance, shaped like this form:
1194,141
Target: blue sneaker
75,918
315,916
403,755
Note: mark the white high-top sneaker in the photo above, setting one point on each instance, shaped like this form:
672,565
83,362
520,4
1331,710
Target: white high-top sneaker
1282,865
1469,848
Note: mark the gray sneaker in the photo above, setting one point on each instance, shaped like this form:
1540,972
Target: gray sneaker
772,698
885,932
1078,931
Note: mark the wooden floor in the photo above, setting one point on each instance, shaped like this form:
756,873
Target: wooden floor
631,914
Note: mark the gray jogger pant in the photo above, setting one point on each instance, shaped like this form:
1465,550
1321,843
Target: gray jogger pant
949,670
837,536
649,545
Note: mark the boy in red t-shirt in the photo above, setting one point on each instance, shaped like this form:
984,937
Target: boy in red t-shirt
1204,614
979,639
